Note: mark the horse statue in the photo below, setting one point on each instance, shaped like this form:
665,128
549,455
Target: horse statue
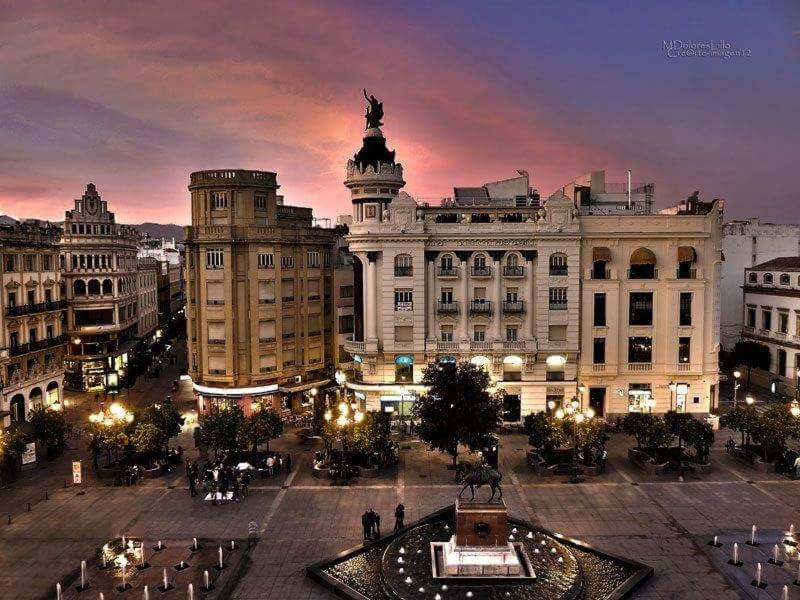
473,476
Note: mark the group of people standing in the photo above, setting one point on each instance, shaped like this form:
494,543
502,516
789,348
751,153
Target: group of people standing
371,522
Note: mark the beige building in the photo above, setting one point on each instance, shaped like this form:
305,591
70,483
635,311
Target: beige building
256,270
101,278
31,311
147,273
495,276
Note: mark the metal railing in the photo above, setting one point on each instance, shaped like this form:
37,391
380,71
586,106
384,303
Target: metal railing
27,309
558,271
516,306
481,271
38,345
447,307
447,272
512,271
403,271
480,306
558,306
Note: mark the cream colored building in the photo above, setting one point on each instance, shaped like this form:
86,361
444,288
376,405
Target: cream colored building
147,273
499,278
256,274
101,283
31,311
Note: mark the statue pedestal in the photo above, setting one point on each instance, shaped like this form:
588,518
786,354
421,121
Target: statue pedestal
480,546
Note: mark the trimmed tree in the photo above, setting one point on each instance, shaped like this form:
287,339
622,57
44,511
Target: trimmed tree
372,436
166,418
261,427
544,433
221,429
147,439
637,425
50,427
678,423
751,355
457,409
700,436
741,419
773,428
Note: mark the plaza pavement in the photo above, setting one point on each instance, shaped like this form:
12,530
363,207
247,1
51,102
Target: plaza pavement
657,520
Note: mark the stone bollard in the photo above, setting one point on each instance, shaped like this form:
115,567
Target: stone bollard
46,495
29,507
9,519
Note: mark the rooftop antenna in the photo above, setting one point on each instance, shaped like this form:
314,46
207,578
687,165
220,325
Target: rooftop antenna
629,189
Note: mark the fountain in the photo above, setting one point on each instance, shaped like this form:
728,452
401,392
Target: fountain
58,591
752,541
195,546
790,540
143,564
735,556
182,565
468,551
715,542
190,592
84,584
775,558
159,546
221,565
104,560
757,582
123,562
785,593
206,587
102,596
145,593
165,584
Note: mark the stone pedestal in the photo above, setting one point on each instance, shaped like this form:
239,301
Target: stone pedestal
481,523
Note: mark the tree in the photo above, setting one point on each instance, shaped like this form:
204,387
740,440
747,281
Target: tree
457,409
221,429
773,428
260,427
752,355
741,419
637,424
544,433
372,436
700,436
50,427
147,438
677,423
102,438
166,418
12,445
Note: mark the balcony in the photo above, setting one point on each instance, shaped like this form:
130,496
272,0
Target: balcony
513,271
353,346
480,307
683,367
639,367
597,273
403,271
446,346
558,271
222,342
266,340
37,345
514,345
447,272
598,368
27,309
484,271
514,307
447,307
558,306
482,345
403,306
640,273
684,273
287,299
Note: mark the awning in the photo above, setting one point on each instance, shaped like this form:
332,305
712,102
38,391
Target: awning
302,387
686,254
643,256
601,253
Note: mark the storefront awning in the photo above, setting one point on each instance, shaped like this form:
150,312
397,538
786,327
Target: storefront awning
686,254
601,253
302,387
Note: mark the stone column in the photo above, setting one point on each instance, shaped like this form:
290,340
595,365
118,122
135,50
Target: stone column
430,295
463,332
371,290
497,300
529,296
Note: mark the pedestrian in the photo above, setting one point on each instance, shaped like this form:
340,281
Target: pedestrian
246,484
288,463
252,533
366,524
270,465
236,486
603,460
399,517
376,520
411,426
192,486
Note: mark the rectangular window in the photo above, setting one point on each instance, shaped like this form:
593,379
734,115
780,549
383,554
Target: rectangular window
346,291
266,331
684,349
346,324
479,333
512,294
641,308
766,319
10,262
599,310
266,292
313,259
219,200
640,349
214,258
751,318
369,211
797,326
511,333
260,201
558,298
783,322
685,309
403,300
266,261
447,295
287,290
287,262
288,327
30,262
447,333
599,351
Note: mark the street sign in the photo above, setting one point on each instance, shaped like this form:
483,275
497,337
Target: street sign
29,454
76,472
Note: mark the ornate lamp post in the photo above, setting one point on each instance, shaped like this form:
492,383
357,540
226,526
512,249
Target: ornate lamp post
348,415
115,414
672,387
581,392
572,412
736,375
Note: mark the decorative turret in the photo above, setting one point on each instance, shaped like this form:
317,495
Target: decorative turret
373,176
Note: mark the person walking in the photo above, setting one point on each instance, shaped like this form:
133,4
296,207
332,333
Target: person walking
192,485
252,534
288,463
399,517
366,524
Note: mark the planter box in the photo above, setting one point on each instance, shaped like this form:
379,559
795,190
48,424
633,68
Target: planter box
370,472
320,471
703,469
157,471
643,461
107,472
763,467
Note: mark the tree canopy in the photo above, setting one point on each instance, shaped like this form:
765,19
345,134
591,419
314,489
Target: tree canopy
457,409
752,355
220,428
50,427
261,427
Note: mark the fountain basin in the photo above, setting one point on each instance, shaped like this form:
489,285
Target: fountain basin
562,568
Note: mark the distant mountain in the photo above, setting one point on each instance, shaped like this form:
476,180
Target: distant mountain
159,230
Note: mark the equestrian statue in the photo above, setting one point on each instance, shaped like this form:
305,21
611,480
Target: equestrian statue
473,476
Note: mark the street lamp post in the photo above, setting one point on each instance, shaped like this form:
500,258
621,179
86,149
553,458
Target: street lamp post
797,385
571,411
672,387
736,375
348,416
581,392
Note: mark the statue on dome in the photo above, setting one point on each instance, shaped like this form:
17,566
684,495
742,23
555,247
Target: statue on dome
374,111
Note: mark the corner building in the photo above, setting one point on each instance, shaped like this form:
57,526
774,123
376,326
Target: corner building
500,278
256,274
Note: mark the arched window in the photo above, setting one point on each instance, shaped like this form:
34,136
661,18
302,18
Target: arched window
446,265
768,278
17,408
35,397
512,260
558,264
94,287
79,288
404,369
752,278
643,264
479,266
108,287
52,393
512,267
784,279
403,265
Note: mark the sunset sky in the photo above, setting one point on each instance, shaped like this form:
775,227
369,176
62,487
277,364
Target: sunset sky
135,95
